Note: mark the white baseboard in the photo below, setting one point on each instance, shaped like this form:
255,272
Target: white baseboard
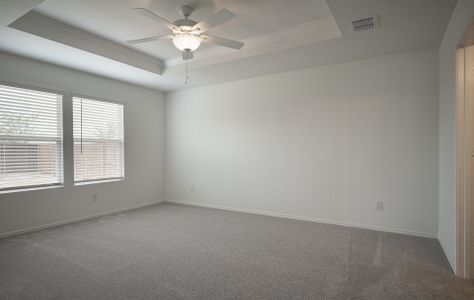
73,220
317,220
453,266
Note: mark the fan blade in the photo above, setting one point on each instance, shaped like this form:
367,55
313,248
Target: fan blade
149,14
222,42
149,39
187,55
214,20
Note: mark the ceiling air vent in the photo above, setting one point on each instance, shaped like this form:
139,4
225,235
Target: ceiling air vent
364,24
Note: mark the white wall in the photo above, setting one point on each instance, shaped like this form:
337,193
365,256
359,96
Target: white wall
144,149
462,14
322,143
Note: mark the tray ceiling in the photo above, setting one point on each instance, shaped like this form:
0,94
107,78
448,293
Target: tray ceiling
280,35
115,19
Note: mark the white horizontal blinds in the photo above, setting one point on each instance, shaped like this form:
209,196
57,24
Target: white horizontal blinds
31,138
98,140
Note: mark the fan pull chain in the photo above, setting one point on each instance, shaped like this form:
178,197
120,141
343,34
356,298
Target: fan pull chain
186,72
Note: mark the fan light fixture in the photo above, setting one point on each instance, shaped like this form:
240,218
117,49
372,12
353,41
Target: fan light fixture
187,34
186,42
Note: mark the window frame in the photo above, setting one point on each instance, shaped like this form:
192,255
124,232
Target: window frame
62,161
103,180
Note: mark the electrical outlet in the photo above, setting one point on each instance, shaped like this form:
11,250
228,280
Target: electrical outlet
95,197
379,205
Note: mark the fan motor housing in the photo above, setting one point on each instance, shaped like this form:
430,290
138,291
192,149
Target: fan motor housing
185,23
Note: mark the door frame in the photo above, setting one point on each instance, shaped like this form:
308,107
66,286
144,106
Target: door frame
464,172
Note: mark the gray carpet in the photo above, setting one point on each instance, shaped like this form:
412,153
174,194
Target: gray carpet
170,251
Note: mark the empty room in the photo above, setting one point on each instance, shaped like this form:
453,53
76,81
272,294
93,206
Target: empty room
223,149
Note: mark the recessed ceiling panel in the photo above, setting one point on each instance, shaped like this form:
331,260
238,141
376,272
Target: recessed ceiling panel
116,20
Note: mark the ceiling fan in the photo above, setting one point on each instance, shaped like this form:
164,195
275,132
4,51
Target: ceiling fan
188,34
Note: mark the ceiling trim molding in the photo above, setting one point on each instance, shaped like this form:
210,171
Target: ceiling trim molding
301,34
60,32
10,10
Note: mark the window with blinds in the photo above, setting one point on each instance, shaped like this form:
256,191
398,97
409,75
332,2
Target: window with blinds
98,141
31,138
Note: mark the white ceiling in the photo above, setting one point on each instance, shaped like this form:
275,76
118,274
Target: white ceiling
280,35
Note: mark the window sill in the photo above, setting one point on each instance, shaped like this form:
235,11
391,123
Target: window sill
28,189
98,181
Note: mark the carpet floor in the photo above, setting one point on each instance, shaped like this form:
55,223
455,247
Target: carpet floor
171,251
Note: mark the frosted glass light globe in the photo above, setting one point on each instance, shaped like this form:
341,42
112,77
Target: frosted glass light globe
186,42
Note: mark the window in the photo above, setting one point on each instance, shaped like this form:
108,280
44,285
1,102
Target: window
31,138
98,141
